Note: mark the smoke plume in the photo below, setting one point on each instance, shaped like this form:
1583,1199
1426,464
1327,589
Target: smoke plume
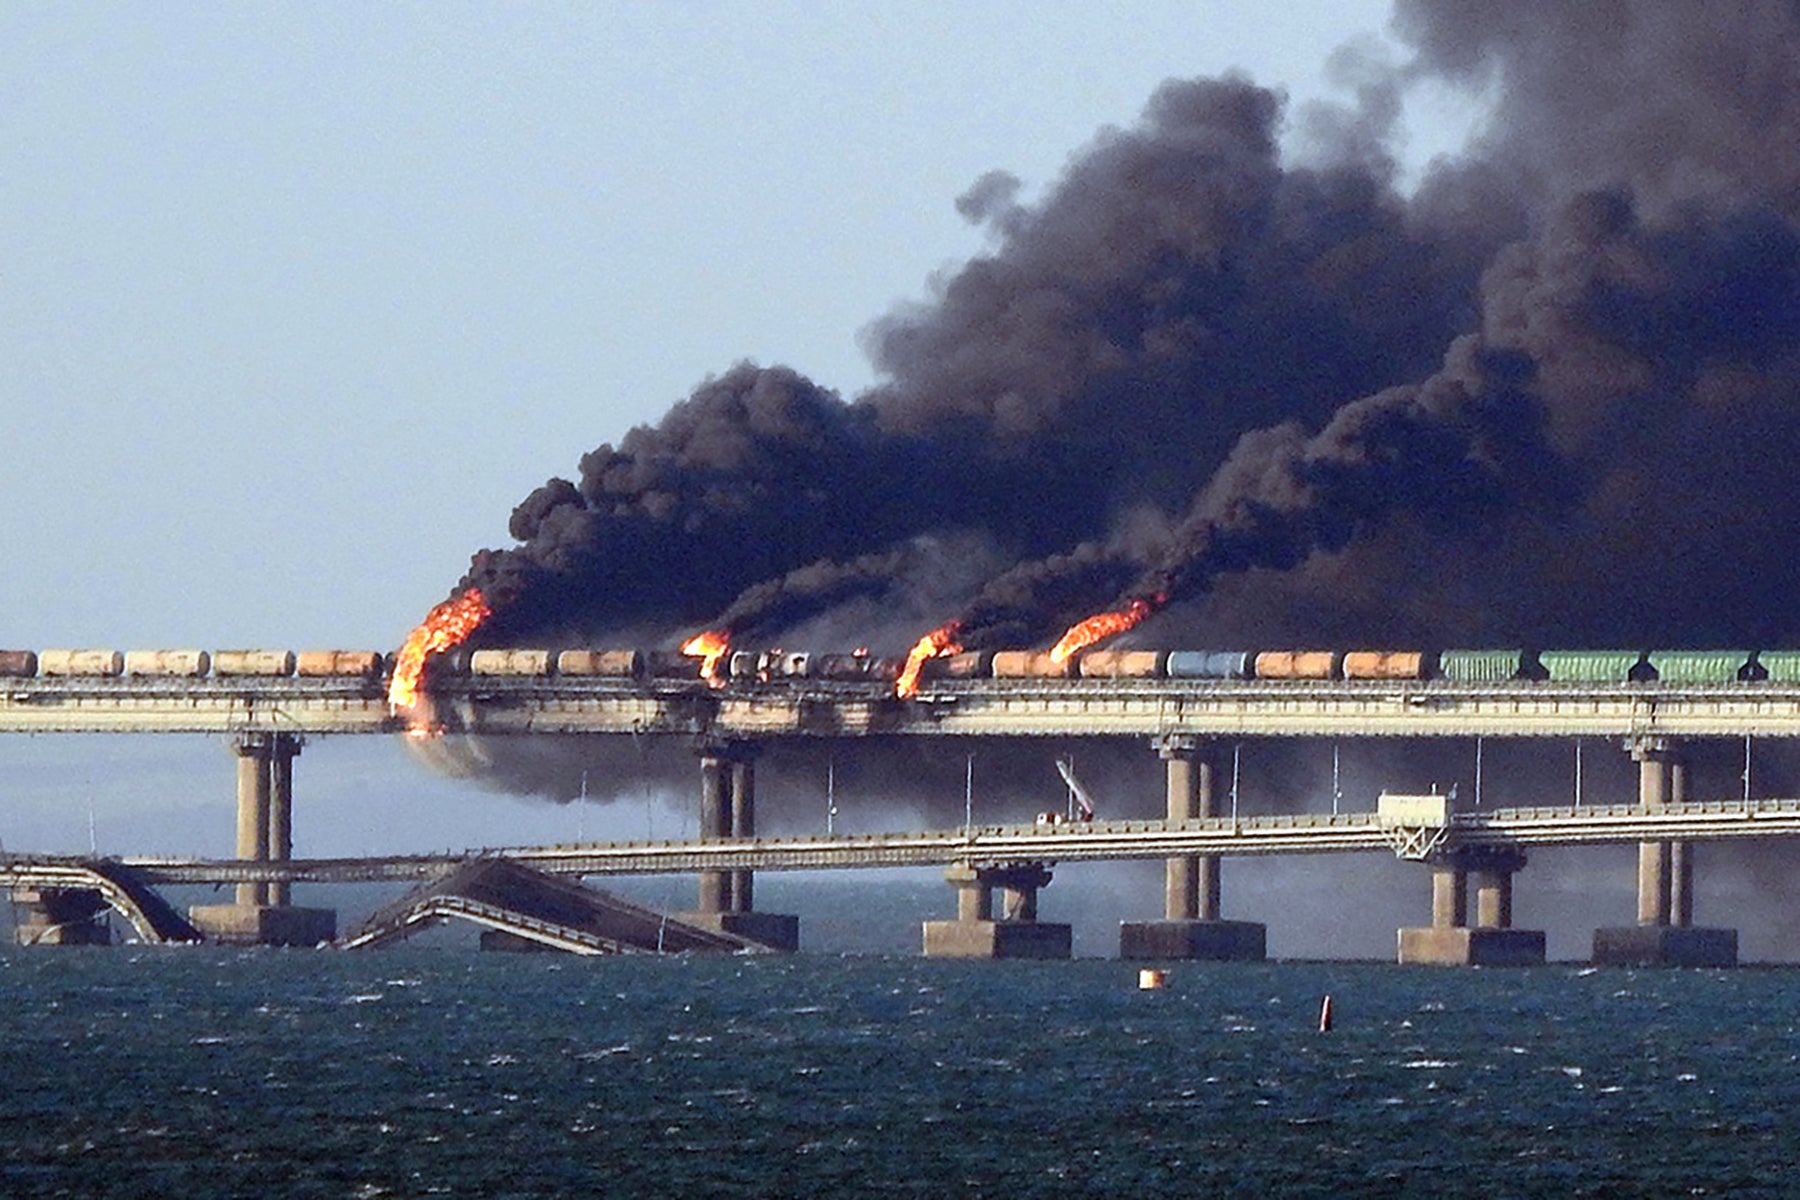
1541,396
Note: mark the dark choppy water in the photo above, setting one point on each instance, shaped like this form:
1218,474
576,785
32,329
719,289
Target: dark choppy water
204,1073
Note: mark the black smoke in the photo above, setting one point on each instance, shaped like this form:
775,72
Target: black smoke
1544,396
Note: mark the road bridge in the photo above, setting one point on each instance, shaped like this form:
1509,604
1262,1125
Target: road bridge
1185,720
992,845
1454,843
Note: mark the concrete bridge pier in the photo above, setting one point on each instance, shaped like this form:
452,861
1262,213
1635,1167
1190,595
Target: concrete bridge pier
1492,941
1665,934
1191,926
261,914
728,810
1015,933
60,917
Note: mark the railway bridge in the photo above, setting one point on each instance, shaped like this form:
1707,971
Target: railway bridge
1184,721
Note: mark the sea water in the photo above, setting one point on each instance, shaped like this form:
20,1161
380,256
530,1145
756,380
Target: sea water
413,1072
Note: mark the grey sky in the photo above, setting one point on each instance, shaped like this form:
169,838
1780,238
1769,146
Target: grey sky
296,302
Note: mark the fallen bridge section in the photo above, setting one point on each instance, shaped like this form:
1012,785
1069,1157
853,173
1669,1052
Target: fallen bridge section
529,908
52,889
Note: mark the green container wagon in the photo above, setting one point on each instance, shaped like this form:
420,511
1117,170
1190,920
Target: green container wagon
1699,666
1589,666
1480,666
1783,666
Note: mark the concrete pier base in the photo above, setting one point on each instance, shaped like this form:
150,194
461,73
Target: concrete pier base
264,925
1441,946
1217,941
778,931
996,939
60,917
1665,946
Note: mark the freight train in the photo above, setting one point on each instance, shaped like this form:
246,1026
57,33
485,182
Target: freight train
751,668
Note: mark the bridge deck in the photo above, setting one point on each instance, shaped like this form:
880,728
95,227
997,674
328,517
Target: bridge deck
970,708
1321,833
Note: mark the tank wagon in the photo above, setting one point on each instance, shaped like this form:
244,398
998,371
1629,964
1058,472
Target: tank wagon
193,664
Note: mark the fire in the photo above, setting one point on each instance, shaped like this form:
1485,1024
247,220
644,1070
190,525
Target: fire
936,644
447,625
1083,634
709,647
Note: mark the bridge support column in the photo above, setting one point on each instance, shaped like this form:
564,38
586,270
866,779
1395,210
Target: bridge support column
1191,926
743,826
715,823
728,810
60,917
265,833
284,749
1665,934
1492,941
976,933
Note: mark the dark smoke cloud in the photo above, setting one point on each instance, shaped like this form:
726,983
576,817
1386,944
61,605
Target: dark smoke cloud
1543,398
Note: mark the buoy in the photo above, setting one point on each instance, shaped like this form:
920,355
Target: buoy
1151,979
1325,1015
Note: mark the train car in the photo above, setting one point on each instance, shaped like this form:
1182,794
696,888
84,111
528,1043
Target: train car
1123,664
518,663
1777,666
368,664
885,670
788,664
1700,666
188,664
18,664
1590,666
1210,664
1481,666
970,664
1389,664
669,664
1298,664
1030,664
612,663
81,662
845,667
253,662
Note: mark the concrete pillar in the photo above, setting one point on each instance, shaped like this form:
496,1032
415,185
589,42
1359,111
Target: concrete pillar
1191,882
974,898
715,823
1491,941
285,749
1449,896
976,933
1681,857
1653,757
1181,875
253,784
1665,934
1191,927
743,825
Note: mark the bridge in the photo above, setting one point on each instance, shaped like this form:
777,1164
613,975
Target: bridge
520,905
500,706
1184,720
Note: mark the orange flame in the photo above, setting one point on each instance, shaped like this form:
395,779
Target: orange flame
936,644
1096,628
447,625
709,647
